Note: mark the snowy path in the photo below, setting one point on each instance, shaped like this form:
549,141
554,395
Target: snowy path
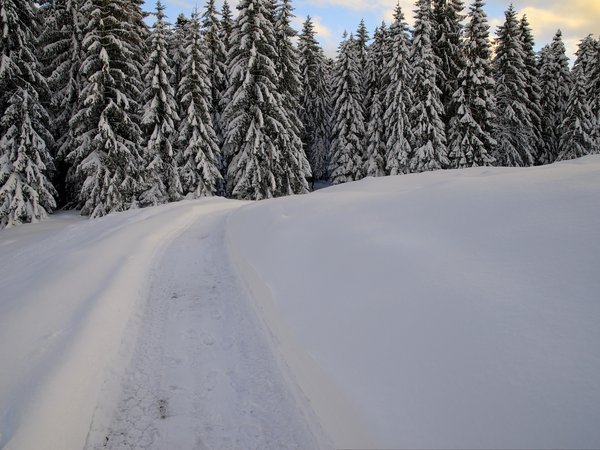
202,374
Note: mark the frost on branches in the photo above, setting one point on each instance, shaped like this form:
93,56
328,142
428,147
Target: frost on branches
26,194
429,136
107,154
198,151
348,117
161,176
257,123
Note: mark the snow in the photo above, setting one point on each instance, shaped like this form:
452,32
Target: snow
457,309
446,309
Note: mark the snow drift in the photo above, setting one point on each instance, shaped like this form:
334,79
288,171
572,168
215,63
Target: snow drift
447,309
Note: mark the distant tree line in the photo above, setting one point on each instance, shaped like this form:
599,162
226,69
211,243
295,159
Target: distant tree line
102,113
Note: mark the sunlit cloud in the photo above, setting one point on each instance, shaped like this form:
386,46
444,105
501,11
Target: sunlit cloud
576,18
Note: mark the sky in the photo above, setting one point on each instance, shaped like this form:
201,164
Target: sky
576,18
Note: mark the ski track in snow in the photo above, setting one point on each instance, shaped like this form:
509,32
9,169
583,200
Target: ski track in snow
202,374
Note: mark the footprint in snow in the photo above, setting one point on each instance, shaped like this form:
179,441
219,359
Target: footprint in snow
208,339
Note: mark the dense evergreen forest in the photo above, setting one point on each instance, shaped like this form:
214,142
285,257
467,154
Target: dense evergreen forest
100,112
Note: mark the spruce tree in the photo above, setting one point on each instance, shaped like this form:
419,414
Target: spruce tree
515,143
593,70
26,194
362,51
579,126
348,117
160,116
447,47
255,116
107,151
470,140
375,163
429,137
295,167
226,25
177,53
61,56
555,86
398,98
197,150
315,111
532,77
217,65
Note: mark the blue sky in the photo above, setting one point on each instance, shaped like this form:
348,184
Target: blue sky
576,18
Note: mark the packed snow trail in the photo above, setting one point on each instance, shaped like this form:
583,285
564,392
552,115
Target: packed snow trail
86,332
202,375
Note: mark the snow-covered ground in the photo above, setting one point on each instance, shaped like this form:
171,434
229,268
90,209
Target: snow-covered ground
447,309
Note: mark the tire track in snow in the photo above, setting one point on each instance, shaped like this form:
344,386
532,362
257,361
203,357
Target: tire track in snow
202,374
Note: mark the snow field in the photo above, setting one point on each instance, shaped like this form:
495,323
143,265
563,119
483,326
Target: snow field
454,309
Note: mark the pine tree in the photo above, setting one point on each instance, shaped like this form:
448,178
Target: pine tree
61,56
217,64
532,86
375,164
107,154
348,117
447,47
255,116
470,140
315,112
429,137
160,116
580,125
555,86
294,164
26,194
398,98
514,137
198,152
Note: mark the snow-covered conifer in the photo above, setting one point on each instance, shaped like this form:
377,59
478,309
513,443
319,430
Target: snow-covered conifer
533,88
377,82
217,64
255,116
555,85
161,178
226,25
294,164
107,151
579,126
593,70
198,151
348,117
26,194
470,139
429,137
61,56
177,53
362,50
515,144
446,42
315,112
398,98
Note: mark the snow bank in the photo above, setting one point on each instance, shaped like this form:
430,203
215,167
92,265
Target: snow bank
68,289
447,309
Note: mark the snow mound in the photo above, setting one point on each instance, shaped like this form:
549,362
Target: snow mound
453,309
